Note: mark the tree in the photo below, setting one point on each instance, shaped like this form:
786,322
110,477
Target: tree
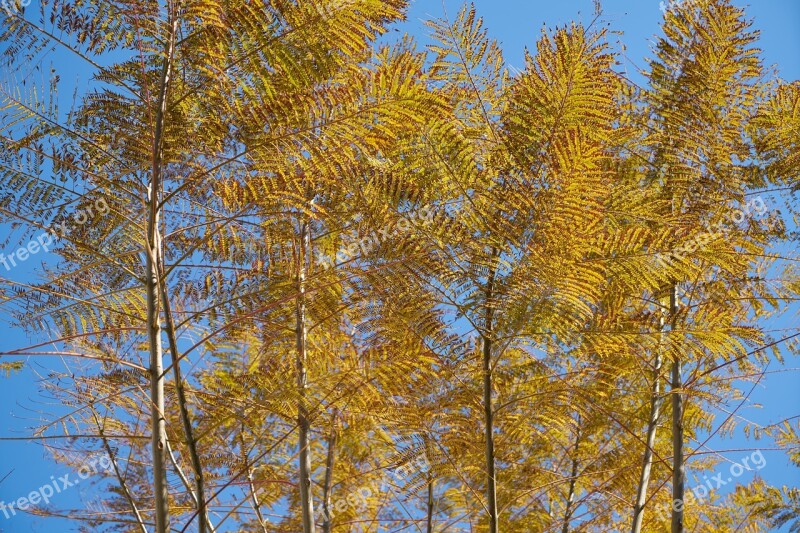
398,287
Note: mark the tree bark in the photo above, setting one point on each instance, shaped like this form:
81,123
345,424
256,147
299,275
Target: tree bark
572,480
178,470
253,493
123,486
157,421
306,497
329,463
429,529
188,432
652,424
678,471
152,285
488,413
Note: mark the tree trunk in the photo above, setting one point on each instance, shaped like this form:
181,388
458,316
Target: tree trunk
652,424
678,472
183,404
152,287
253,490
572,480
429,529
329,463
491,481
157,421
113,460
306,499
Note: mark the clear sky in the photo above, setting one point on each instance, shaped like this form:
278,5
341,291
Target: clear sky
516,24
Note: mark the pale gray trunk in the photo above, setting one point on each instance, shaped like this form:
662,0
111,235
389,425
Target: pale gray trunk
157,421
328,486
123,486
678,472
253,491
199,494
572,480
178,470
152,286
652,423
306,497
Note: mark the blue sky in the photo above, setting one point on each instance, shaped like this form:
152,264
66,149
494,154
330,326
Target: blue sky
516,25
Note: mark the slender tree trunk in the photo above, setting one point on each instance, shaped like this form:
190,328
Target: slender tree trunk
306,498
188,432
429,529
329,463
152,286
157,421
491,481
178,470
572,480
253,492
678,472
112,458
652,424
